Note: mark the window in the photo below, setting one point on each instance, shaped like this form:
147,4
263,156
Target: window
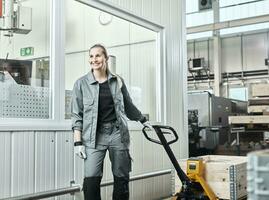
24,62
239,93
132,53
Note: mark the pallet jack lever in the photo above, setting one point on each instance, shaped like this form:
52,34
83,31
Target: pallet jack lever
193,184
160,131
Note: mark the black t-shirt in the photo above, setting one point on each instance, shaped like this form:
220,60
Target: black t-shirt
106,109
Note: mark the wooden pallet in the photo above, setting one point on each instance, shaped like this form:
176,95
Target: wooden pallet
259,109
249,119
226,175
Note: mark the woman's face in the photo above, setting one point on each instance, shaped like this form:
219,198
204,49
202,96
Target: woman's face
97,59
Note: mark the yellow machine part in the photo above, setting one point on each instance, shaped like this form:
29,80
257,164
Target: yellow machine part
195,172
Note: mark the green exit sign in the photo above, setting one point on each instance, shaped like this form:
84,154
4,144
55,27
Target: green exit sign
27,51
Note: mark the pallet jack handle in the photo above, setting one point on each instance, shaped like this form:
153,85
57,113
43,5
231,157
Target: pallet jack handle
158,128
160,131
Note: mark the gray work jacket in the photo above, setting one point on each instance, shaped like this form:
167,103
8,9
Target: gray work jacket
84,107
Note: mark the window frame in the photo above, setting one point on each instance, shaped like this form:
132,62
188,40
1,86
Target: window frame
57,68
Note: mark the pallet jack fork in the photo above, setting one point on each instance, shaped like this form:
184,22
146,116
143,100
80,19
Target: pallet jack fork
193,184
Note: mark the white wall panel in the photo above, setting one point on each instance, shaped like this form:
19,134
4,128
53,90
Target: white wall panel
22,156
231,54
136,5
65,170
5,164
156,10
44,161
200,18
75,67
255,51
64,158
244,10
75,26
143,59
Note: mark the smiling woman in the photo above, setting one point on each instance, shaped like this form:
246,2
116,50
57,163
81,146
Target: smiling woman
108,128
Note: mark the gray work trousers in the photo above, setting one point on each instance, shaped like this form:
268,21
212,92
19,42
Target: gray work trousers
108,138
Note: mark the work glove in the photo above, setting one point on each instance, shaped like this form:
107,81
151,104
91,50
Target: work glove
148,125
79,150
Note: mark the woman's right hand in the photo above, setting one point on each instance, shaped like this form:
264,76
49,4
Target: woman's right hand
80,151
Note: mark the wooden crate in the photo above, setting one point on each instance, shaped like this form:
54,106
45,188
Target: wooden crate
260,90
226,175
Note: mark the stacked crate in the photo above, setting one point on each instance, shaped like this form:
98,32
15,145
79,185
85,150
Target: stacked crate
258,109
259,104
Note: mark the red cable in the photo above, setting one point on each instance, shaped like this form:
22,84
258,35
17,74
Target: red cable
1,7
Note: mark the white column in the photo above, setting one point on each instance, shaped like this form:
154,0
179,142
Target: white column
216,51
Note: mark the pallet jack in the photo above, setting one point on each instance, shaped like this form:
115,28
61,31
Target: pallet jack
194,185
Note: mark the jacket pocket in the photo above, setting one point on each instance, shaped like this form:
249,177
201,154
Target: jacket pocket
88,105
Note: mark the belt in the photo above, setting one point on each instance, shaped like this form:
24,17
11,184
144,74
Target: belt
109,124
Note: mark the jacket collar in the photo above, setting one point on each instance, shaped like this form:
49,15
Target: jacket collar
92,80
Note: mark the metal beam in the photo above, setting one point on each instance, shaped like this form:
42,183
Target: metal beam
77,188
142,176
228,24
46,194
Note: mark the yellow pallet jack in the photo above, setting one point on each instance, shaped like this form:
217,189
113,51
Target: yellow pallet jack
193,184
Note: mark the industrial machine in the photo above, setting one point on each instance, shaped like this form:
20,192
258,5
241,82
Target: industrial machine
15,18
208,120
193,184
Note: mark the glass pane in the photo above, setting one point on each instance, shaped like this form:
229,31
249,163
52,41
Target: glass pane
238,93
132,51
24,62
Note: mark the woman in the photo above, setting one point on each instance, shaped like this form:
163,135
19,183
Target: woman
100,107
